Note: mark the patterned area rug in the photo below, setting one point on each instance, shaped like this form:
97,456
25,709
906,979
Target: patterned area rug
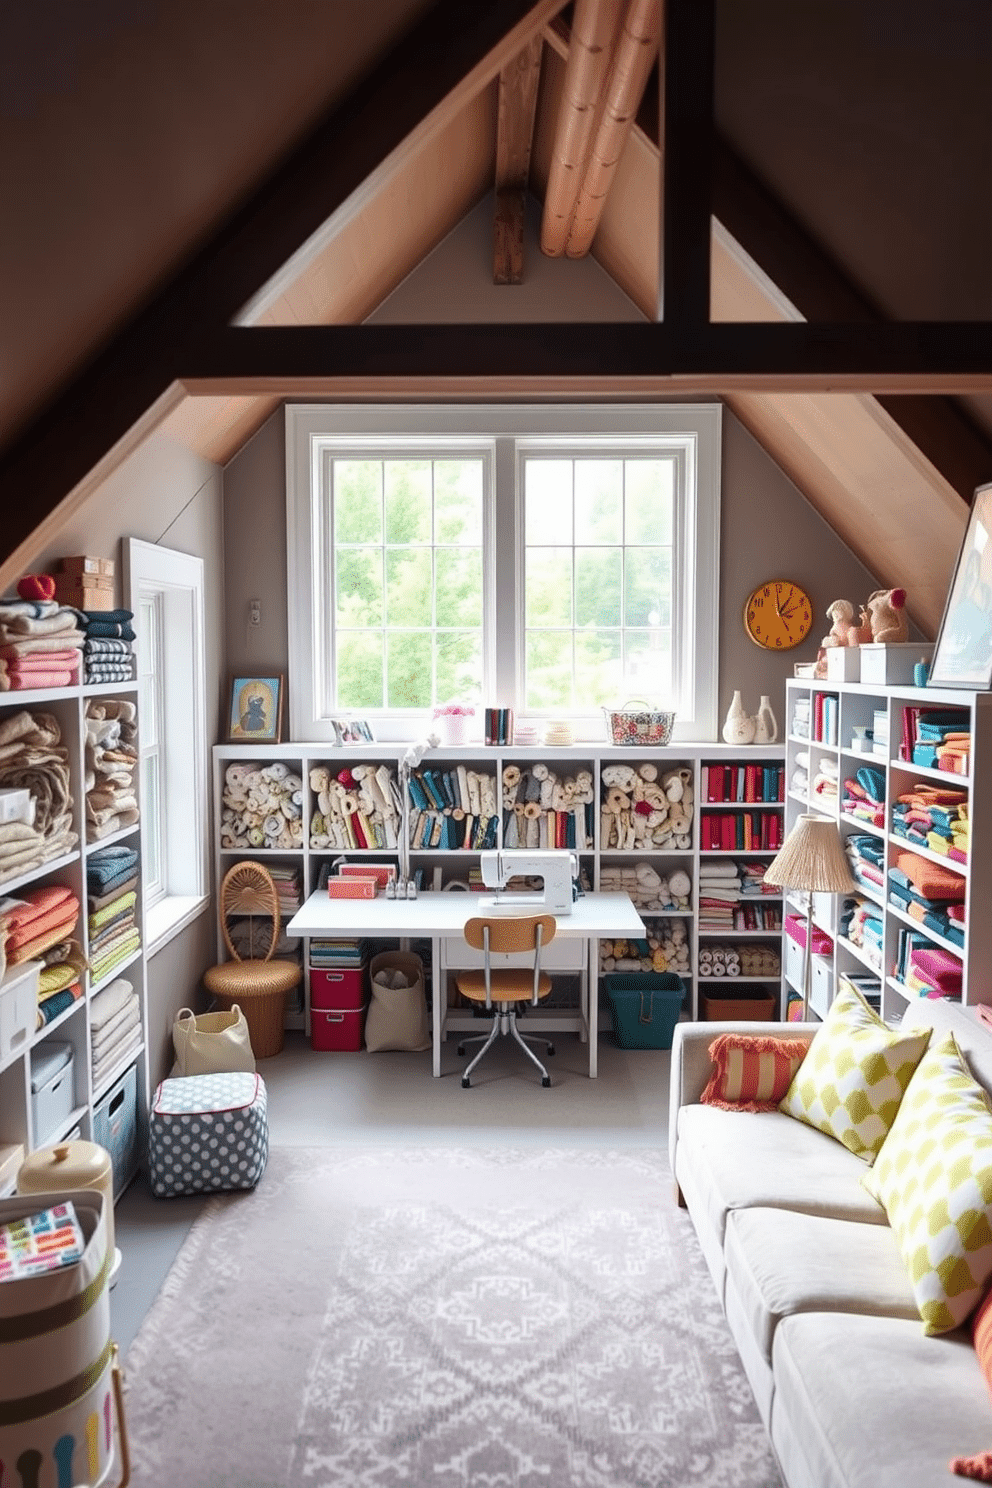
502,1319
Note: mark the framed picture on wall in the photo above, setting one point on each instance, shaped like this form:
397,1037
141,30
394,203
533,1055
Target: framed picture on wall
256,710
962,656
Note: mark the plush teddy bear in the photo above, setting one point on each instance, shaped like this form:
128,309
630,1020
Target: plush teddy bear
841,612
887,613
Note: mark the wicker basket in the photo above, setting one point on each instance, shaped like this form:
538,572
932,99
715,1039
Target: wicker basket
259,986
636,723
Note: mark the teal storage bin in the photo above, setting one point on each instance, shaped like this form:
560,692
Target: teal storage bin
645,1007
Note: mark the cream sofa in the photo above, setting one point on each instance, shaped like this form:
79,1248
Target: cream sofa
851,1391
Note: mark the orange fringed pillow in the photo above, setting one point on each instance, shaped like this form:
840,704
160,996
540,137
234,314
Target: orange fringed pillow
979,1467
752,1072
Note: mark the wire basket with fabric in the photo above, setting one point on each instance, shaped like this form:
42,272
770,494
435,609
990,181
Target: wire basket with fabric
260,981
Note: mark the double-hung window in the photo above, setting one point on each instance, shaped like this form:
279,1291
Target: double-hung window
555,561
165,590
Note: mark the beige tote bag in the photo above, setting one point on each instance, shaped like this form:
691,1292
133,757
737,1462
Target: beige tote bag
211,1043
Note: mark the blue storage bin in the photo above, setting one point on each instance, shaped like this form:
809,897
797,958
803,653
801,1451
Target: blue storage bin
645,1007
115,1128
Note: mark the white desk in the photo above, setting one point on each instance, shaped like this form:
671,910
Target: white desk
441,918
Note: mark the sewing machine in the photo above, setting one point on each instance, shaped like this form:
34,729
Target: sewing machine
555,868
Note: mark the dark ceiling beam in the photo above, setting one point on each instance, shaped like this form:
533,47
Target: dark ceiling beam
448,47
687,111
898,356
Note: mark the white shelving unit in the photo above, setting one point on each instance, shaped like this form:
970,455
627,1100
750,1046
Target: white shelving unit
857,708
443,866
17,1128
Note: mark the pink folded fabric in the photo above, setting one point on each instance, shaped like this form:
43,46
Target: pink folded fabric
17,681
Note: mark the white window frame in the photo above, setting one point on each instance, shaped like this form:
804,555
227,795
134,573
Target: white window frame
513,430
174,583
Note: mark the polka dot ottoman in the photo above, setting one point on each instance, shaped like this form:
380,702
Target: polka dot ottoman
206,1133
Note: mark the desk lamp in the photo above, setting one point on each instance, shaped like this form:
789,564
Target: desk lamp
811,858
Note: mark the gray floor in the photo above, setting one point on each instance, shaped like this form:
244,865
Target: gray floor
317,1100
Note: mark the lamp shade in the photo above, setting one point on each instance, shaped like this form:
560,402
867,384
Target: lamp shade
812,857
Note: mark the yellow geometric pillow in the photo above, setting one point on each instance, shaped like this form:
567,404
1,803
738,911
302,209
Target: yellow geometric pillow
852,1081
934,1178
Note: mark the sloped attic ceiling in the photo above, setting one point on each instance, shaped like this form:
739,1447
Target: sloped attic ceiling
870,466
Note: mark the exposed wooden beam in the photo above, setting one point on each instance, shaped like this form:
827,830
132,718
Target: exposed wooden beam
687,113
893,356
518,83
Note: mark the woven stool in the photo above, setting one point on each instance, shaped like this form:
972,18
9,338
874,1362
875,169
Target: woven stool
258,984
207,1133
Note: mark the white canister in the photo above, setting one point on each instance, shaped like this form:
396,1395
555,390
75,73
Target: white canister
72,1165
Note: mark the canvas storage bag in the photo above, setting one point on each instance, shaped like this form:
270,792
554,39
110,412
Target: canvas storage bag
211,1043
397,1015
60,1386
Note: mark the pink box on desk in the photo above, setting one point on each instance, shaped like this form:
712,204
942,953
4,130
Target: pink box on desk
352,887
383,873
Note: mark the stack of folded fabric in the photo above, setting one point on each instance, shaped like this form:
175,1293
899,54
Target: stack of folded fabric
719,894
942,739
861,923
108,645
933,972
111,760
60,981
799,783
111,885
825,780
36,920
115,1029
864,795
956,917
40,644
933,817
866,857
864,929
32,758
926,891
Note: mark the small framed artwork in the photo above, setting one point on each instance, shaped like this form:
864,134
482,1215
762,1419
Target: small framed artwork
256,710
962,656
352,731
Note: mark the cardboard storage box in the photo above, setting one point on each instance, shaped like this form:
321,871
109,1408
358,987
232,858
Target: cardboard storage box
115,1127
88,598
893,662
337,1030
52,1088
338,988
83,563
18,1007
749,1004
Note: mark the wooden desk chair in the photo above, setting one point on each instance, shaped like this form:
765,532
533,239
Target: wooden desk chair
260,982
501,988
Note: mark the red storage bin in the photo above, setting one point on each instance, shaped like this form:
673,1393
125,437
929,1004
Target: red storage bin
336,988
337,1030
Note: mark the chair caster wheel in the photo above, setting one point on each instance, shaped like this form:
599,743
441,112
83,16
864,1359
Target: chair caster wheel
466,1082
461,1048
546,1082
551,1048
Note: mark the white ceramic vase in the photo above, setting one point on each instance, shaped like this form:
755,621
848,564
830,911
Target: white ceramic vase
765,725
738,726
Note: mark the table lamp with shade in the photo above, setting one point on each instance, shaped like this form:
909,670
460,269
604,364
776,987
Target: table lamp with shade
811,858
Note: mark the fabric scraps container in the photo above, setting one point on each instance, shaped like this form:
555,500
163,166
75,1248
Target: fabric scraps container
70,1166
60,1385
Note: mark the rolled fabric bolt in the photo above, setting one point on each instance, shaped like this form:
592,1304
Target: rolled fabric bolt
532,810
